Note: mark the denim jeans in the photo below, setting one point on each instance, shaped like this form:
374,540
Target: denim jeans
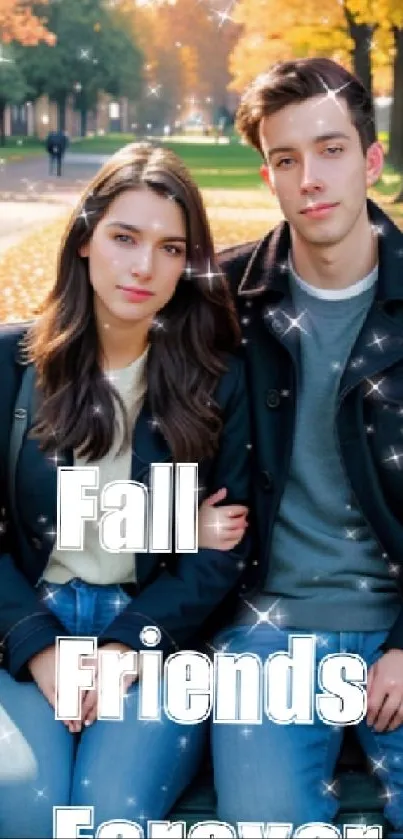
126,769
284,773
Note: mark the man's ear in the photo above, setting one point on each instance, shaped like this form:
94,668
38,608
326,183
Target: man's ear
266,177
374,158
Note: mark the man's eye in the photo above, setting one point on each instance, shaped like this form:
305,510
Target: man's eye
284,163
334,149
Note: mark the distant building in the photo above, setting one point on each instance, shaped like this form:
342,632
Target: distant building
39,117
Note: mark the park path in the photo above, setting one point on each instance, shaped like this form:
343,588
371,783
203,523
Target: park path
30,197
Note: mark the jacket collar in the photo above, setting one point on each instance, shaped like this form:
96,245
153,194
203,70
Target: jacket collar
267,269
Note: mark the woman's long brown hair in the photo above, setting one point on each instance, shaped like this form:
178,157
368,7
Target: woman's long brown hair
185,359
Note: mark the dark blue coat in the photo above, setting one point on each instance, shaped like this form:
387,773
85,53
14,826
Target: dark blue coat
176,593
369,417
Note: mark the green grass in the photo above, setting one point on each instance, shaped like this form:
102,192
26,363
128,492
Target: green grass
17,148
215,166
230,166
389,183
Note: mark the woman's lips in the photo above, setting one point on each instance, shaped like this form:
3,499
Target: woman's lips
135,295
319,210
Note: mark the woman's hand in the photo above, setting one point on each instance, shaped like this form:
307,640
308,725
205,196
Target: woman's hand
221,528
42,667
89,706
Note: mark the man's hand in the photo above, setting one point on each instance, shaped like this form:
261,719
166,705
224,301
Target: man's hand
221,528
385,692
90,699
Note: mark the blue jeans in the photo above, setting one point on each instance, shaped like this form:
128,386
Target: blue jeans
127,769
283,773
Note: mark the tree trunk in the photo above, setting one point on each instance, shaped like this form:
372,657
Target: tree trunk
2,124
361,34
395,155
61,113
83,121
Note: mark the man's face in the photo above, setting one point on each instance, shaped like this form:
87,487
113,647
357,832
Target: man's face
317,168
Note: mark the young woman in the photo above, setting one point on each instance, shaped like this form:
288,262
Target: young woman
132,366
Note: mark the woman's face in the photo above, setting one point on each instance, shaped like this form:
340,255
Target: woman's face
136,255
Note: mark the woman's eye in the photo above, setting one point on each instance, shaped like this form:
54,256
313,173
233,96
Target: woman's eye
123,237
173,250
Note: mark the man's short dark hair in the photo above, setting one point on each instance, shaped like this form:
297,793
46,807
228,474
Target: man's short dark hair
291,82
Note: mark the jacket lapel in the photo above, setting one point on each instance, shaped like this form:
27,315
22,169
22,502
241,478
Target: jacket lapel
380,342
378,346
148,445
266,278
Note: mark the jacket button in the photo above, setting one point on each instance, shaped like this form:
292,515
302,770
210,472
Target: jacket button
20,413
266,480
273,399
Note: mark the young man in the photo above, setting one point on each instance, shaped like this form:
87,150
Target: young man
321,302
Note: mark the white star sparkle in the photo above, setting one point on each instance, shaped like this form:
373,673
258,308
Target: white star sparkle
56,459
378,341
158,324
154,90
271,616
378,765
329,789
331,93
396,458
224,17
295,323
375,387
210,275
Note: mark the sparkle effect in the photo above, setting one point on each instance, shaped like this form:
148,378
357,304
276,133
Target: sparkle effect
332,94
272,616
375,387
395,458
210,275
225,16
378,341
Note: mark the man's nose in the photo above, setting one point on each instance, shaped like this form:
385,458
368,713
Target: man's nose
310,179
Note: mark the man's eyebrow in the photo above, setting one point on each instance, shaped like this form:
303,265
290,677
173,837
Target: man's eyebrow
321,138
133,229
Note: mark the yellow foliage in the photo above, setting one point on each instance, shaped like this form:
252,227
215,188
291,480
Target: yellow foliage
18,23
272,30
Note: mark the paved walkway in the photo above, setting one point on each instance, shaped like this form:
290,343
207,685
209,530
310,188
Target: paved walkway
30,197
29,180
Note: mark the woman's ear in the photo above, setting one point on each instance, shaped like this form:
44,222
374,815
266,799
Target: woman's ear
84,250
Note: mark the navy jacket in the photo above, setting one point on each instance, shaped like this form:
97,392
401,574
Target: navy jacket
176,593
369,417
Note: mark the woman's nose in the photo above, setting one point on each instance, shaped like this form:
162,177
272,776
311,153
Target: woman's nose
142,264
